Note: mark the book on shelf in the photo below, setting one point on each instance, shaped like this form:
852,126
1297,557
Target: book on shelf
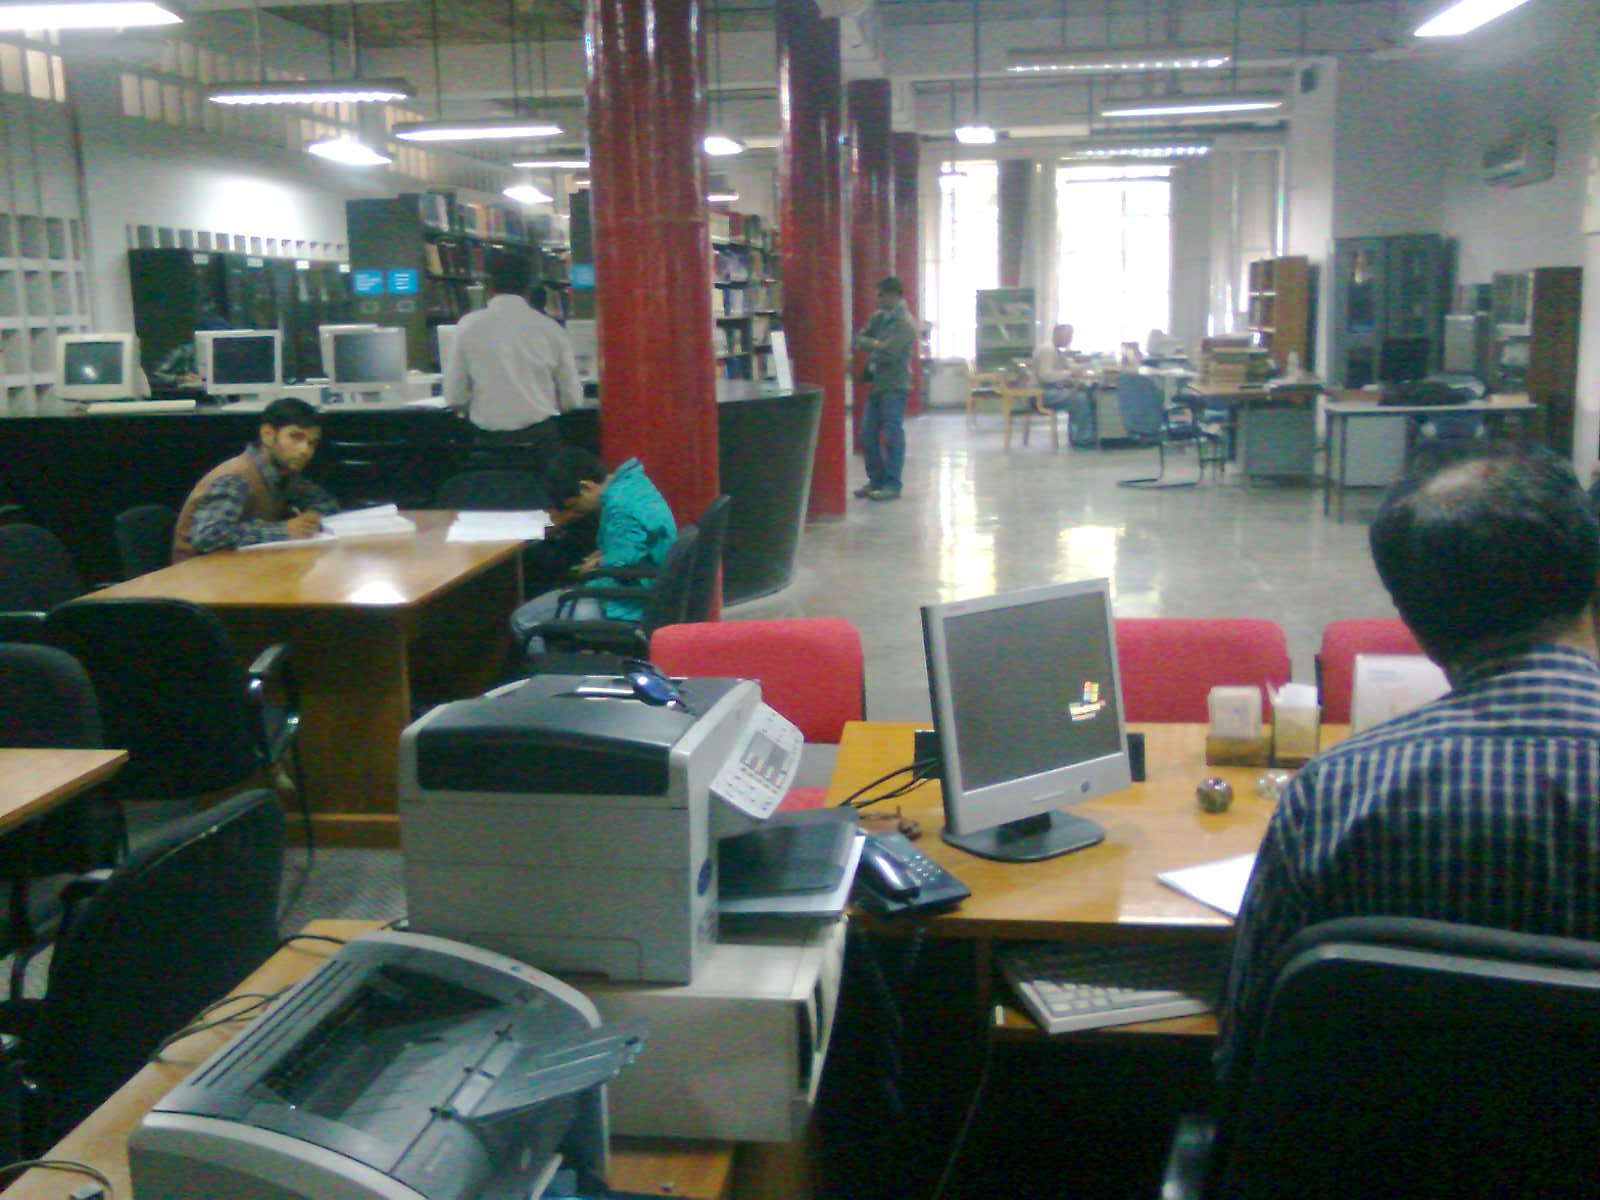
434,210
430,251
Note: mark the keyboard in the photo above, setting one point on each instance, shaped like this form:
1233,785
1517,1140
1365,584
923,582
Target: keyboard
100,408
1070,987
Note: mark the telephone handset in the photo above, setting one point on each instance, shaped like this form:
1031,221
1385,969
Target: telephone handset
895,877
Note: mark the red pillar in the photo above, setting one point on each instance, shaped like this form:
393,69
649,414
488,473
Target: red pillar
907,152
871,212
811,204
652,261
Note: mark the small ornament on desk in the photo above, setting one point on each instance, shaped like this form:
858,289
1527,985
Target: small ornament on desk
1235,737
1215,794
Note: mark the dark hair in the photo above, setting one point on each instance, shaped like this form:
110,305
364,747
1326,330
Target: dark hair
892,285
290,410
566,469
1487,545
537,296
508,273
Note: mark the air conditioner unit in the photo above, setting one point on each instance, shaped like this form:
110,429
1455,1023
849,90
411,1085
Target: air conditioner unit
1527,158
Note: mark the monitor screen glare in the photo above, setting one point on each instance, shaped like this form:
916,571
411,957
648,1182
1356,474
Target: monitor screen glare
375,356
244,361
1028,710
92,364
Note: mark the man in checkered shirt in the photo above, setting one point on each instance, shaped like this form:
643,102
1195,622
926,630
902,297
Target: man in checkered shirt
1483,807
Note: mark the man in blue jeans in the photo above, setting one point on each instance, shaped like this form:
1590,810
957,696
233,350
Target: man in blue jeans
888,339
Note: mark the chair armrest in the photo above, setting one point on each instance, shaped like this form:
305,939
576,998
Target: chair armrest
1188,1158
622,637
22,625
81,888
639,572
275,724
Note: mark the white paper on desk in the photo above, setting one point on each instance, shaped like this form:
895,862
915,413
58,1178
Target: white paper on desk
1219,885
316,539
501,526
368,522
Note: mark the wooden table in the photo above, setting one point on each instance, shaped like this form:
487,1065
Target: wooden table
32,782
1272,428
696,1171
368,621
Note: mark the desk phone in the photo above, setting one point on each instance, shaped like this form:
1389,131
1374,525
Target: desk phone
895,877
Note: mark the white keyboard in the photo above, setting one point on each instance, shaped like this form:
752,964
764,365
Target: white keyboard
100,408
1070,987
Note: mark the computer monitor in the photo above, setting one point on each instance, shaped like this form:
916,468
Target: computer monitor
98,366
1027,705
325,336
1403,359
369,357
447,344
246,362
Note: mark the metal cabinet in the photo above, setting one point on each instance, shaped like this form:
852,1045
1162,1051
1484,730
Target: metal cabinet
1388,307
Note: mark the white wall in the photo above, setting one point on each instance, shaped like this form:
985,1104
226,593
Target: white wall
1308,173
1191,251
1386,159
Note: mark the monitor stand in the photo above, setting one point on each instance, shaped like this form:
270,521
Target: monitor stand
1031,839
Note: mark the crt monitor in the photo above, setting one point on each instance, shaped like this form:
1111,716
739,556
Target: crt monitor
97,366
369,356
1027,705
325,336
243,362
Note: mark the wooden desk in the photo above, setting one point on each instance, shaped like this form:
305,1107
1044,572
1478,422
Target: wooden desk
697,1171
32,782
367,621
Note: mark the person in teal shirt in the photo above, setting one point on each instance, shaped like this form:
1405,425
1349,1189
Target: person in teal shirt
636,529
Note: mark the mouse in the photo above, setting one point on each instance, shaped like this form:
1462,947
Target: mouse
884,873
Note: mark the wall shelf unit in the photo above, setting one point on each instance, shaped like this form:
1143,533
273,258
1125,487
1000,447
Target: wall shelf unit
1282,303
746,295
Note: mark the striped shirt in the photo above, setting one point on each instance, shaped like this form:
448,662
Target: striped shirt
1481,808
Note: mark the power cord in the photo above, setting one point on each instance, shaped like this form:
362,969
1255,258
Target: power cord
920,772
960,1141
64,1164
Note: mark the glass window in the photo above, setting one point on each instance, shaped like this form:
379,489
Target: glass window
968,258
38,74
1114,254
10,68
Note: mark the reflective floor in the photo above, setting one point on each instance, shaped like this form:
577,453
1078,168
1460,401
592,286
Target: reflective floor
975,519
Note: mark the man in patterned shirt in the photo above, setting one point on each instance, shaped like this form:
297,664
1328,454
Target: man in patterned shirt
1483,807
258,495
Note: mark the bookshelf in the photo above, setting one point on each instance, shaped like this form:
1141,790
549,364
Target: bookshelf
42,293
746,295
1280,308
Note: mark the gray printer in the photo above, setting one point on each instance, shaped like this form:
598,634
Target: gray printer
405,1068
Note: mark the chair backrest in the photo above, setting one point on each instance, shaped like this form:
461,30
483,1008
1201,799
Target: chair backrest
177,926
144,538
1336,660
1169,665
667,602
492,490
172,692
713,526
46,699
811,669
36,571
1414,1058
1142,407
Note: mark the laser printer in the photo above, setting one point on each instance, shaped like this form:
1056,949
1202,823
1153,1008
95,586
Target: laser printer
574,828
405,1068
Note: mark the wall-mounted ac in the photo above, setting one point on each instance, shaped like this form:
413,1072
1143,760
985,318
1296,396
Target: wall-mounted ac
1527,158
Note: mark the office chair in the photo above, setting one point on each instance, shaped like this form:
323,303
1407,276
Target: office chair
368,471
1400,1057
172,693
492,490
1336,658
144,947
1168,665
144,538
1148,420
36,574
706,570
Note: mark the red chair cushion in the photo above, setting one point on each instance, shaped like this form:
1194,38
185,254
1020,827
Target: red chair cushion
1341,642
1169,665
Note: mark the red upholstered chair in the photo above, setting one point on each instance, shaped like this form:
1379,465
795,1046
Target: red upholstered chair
811,670
1336,660
1170,664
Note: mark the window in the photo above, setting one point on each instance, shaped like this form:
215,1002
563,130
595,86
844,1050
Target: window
969,254
1114,254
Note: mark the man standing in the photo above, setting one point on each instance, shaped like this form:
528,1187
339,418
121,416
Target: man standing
888,339
259,495
1483,807
513,370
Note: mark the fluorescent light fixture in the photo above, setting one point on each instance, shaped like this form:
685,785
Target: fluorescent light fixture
127,14
312,91
721,146
762,143
526,193
1190,106
1464,16
1117,59
483,129
721,197
582,181
348,152
1139,150
553,164
975,135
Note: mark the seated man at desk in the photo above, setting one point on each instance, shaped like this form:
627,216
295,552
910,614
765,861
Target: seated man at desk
636,529
1062,384
260,494
1482,807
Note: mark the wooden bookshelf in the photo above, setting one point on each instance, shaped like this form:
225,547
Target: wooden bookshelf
746,295
1280,308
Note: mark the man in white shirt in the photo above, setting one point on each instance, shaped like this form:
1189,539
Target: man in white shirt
1063,386
513,369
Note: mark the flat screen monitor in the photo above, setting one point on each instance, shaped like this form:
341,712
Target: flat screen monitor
447,344
369,356
1027,705
1403,360
97,366
244,362
325,336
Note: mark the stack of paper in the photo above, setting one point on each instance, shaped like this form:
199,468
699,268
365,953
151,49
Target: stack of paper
384,519
518,526
1220,885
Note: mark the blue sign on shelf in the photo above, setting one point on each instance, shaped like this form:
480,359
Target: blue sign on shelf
582,275
404,282
366,283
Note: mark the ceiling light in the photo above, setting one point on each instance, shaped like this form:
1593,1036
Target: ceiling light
720,146
975,135
762,143
553,164
526,193
1144,150
721,197
348,152
478,130
1187,106
126,14
1464,16
1118,59
312,91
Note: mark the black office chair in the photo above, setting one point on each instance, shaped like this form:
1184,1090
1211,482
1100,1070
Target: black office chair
1149,421
172,693
36,574
1399,1057
143,949
144,538
703,575
369,471
492,491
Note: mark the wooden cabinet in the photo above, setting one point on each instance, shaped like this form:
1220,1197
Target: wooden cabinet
1281,308
1536,344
